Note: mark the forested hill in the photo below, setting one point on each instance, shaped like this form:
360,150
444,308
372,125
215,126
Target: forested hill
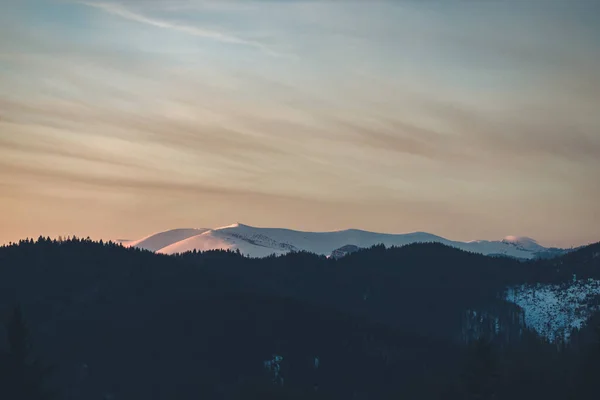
379,323
410,283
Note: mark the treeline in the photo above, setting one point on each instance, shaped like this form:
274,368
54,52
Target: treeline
420,322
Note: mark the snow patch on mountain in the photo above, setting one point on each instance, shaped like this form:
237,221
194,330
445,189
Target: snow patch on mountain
261,242
344,251
554,310
161,240
523,242
223,240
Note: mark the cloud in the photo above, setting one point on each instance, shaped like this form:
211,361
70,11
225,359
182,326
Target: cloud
147,186
123,12
170,132
401,137
394,101
42,149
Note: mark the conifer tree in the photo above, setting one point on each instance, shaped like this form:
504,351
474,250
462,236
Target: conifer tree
480,379
21,375
589,385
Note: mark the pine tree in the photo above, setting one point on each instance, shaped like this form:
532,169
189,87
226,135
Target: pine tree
21,375
480,377
589,385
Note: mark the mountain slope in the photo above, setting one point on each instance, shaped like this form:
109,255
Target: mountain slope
553,310
524,243
223,240
262,242
160,240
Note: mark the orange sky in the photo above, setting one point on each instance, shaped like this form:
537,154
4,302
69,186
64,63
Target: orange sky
467,120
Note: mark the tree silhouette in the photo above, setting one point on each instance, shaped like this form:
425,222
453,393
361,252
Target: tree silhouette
22,376
480,377
589,386
401,343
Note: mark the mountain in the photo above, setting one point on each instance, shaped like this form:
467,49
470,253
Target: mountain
261,242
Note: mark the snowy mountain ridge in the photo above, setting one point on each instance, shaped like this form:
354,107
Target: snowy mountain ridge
262,242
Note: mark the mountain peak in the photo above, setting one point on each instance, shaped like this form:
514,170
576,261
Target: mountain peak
235,225
523,242
514,238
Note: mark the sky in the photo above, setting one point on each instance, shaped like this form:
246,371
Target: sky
466,119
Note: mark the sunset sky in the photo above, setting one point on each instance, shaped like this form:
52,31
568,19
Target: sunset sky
466,119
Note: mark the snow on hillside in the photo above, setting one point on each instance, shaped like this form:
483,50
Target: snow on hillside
553,310
261,242
523,242
163,239
215,239
344,251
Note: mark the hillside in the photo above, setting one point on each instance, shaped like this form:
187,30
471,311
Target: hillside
380,322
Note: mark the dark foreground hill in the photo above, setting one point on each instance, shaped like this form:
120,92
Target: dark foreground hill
380,323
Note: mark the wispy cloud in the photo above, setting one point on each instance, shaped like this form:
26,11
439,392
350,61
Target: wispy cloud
45,149
223,37
389,102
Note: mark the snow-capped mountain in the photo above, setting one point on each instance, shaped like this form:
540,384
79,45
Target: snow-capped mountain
261,242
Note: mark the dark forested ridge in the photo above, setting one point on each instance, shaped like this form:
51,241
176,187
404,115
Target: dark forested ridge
423,321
